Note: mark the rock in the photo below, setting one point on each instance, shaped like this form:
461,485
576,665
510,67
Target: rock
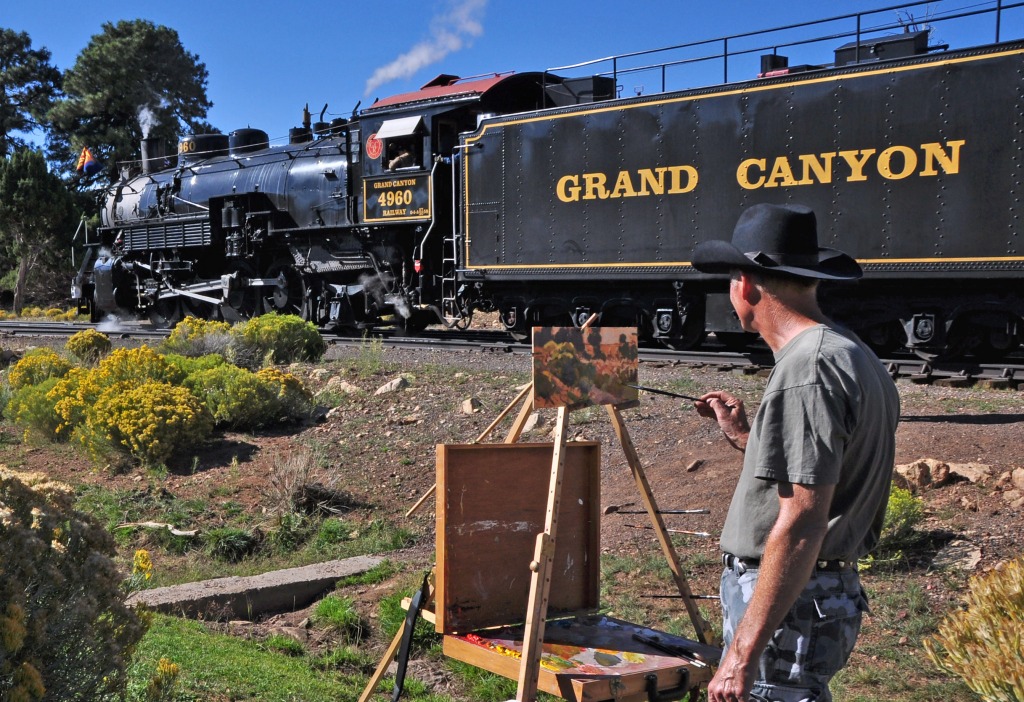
319,374
533,422
924,473
471,405
974,472
968,504
395,385
333,412
1013,496
337,384
958,553
1017,477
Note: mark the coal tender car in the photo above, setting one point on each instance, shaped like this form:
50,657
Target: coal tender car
551,199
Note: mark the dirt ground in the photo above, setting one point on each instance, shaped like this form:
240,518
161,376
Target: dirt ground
380,450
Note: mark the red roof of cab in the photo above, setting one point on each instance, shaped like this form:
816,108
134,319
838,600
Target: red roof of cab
443,86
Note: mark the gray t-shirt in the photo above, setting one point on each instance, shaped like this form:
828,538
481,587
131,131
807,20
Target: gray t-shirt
828,416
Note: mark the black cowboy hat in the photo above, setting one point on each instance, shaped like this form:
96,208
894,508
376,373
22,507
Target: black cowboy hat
776,239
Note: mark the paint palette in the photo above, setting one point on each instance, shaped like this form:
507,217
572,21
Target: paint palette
592,658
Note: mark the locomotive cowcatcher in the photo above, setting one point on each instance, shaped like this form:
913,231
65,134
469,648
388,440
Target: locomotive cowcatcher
549,199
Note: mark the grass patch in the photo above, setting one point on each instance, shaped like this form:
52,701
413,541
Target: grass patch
377,574
219,667
340,615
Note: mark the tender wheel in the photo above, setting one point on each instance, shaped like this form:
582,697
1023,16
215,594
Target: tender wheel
884,338
289,296
690,336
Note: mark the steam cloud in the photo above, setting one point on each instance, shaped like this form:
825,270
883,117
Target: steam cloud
449,32
147,120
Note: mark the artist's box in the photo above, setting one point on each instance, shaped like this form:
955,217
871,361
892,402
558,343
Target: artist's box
491,504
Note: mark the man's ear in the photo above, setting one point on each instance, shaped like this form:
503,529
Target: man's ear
749,291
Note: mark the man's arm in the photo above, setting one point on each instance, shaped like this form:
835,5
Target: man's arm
788,561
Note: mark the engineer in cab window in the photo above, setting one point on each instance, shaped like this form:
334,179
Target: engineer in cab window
400,156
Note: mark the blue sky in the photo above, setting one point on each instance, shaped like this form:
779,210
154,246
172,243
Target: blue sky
267,59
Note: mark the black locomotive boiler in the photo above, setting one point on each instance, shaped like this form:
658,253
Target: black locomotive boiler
550,199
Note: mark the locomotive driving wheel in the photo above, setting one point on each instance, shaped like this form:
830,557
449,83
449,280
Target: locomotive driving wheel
289,295
166,312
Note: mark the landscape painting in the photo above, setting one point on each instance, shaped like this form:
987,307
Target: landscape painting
577,368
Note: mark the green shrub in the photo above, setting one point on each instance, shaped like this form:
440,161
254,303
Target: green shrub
64,626
32,409
193,364
36,366
903,513
275,338
88,346
150,422
293,529
198,337
231,543
982,644
235,397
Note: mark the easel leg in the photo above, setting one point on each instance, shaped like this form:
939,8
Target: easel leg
705,634
389,654
540,581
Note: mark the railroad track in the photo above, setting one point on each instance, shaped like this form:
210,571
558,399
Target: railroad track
1008,373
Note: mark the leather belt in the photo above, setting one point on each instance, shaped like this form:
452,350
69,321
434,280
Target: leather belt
744,564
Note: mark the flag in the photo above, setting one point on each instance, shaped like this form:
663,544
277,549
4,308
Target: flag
87,164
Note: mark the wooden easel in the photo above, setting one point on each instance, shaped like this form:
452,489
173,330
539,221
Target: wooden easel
541,564
544,553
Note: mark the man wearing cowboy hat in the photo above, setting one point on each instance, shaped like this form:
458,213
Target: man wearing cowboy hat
817,465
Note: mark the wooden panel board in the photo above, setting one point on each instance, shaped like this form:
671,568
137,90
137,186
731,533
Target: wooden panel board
587,659
491,503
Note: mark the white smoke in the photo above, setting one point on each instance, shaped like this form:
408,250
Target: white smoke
147,120
449,32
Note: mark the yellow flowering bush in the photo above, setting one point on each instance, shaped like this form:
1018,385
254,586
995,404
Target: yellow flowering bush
65,631
32,409
198,337
295,401
161,685
148,421
983,643
36,366
129,366
88,346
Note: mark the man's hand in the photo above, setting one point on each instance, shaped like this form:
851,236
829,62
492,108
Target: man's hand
733,680
728,411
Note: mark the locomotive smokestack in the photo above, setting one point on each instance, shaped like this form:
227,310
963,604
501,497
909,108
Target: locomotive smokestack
154,154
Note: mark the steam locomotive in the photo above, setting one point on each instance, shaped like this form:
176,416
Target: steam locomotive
549,198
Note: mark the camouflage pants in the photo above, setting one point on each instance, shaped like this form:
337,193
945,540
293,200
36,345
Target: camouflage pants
814,640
